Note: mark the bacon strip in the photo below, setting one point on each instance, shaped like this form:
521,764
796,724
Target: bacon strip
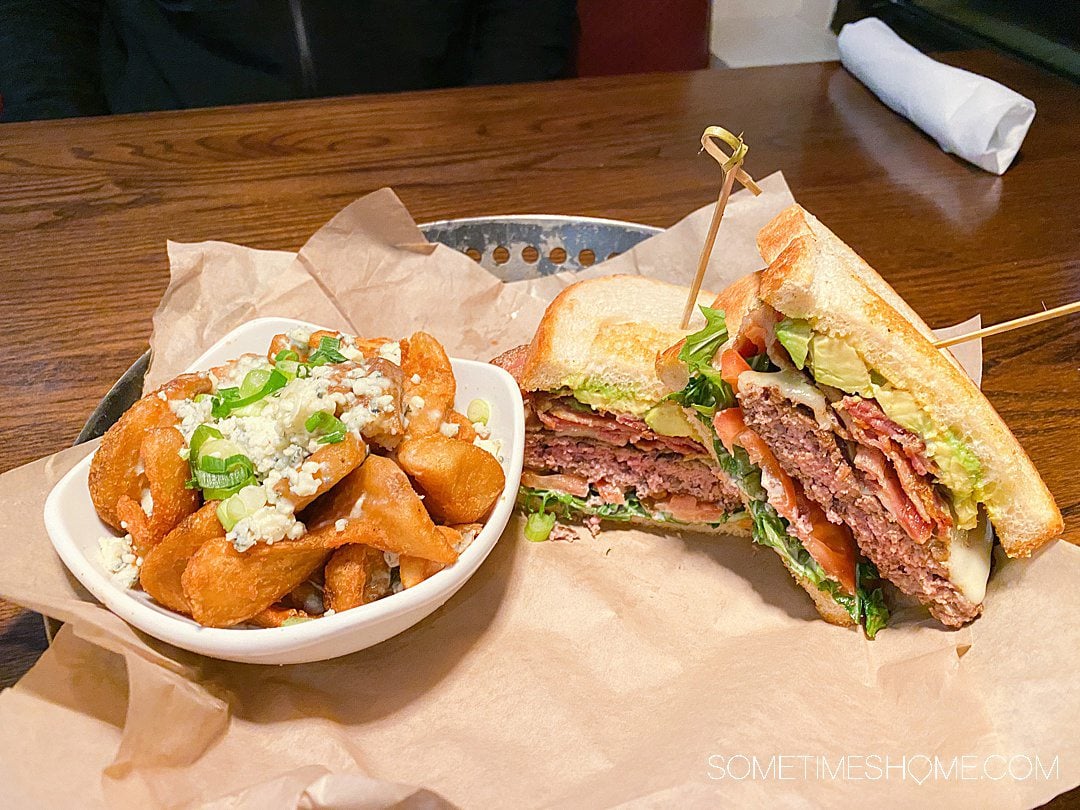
869,416
908,493
619,430
892,495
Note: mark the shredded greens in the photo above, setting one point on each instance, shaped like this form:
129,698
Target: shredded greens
565,505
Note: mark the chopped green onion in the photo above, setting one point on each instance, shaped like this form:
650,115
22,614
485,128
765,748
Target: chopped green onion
257,384
538,526
221,448
221,477
327,353
254,381
239,506
201,434
332,429
290,368
478,411
222,400
287,355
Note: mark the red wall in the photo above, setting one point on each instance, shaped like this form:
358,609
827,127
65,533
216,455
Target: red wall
638,36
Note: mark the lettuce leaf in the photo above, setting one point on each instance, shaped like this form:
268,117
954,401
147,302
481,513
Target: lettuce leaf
567,506
706,393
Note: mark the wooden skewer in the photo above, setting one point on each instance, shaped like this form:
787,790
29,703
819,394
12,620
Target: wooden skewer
732,172
1008,326
710,240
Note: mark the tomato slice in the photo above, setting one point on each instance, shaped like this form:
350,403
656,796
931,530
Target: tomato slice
732,431
831,546
729,426
732,365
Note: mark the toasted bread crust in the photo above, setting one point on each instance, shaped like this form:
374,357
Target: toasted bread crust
607,331
818,278
827,607
795,222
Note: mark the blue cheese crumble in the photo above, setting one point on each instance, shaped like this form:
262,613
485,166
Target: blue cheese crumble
272,434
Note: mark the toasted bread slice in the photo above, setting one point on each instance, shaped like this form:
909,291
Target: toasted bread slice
599,339
827,607
818,278
796,221
736,301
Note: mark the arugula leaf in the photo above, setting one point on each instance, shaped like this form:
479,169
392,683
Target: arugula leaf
866,607
706,393
540,501
701,346
875,614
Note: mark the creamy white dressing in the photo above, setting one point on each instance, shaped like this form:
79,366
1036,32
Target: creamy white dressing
794,386
969,559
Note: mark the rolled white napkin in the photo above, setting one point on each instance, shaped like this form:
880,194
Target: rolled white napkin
969,115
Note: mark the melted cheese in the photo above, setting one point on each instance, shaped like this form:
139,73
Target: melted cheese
794,386
969,559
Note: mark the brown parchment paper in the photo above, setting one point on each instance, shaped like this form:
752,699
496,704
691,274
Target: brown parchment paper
634,669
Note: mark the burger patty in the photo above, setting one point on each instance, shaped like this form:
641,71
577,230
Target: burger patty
650,475
812,456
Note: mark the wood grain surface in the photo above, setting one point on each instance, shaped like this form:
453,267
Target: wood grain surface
86,206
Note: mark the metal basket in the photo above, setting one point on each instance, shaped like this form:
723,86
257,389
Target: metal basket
530,245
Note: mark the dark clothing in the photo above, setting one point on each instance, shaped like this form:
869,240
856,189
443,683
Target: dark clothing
90,57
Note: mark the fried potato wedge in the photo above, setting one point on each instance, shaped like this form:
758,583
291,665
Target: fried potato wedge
466,432
426,361
355,575
368,347
278,615
335,462
114,470
459,481
306,597
134,521
279,343
225,587
414,570
164,564
381,492
166,476
318,335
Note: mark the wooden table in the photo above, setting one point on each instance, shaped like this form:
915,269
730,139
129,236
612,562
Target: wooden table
86,207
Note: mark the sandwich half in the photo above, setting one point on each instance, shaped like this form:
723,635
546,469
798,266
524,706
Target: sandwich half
879,430
822,557
600,445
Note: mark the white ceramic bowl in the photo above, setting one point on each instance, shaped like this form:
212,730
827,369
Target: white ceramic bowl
75,529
